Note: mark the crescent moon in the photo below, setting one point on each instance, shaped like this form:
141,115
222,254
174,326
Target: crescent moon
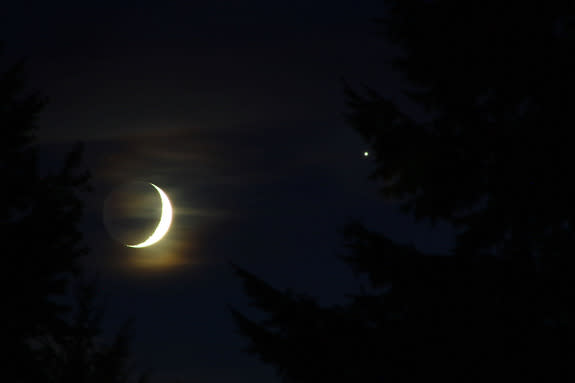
163,225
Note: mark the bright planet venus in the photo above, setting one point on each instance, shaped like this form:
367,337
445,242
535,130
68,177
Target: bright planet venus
163,225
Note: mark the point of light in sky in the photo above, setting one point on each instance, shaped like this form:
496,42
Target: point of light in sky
365,154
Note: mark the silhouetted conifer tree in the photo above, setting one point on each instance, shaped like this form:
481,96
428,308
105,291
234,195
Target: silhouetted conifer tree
81,353
493,158
43,338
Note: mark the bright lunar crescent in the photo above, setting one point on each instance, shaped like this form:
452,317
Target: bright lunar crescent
165,221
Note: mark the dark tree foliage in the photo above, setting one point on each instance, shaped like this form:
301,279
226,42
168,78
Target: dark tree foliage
45,336
494,159
39,238
82,353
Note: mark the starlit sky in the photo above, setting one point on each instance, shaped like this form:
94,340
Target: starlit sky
235,109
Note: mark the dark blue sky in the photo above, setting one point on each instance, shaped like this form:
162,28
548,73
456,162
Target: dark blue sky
236,111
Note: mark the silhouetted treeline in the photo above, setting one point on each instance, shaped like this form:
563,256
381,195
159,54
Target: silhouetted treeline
494,159
50,328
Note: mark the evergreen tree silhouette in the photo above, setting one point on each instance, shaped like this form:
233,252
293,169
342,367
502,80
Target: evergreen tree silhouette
493,158
45,337
81,353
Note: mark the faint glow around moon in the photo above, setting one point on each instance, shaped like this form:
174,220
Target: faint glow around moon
165,221
365,154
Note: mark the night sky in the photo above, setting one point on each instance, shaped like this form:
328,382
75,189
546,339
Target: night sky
236,110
